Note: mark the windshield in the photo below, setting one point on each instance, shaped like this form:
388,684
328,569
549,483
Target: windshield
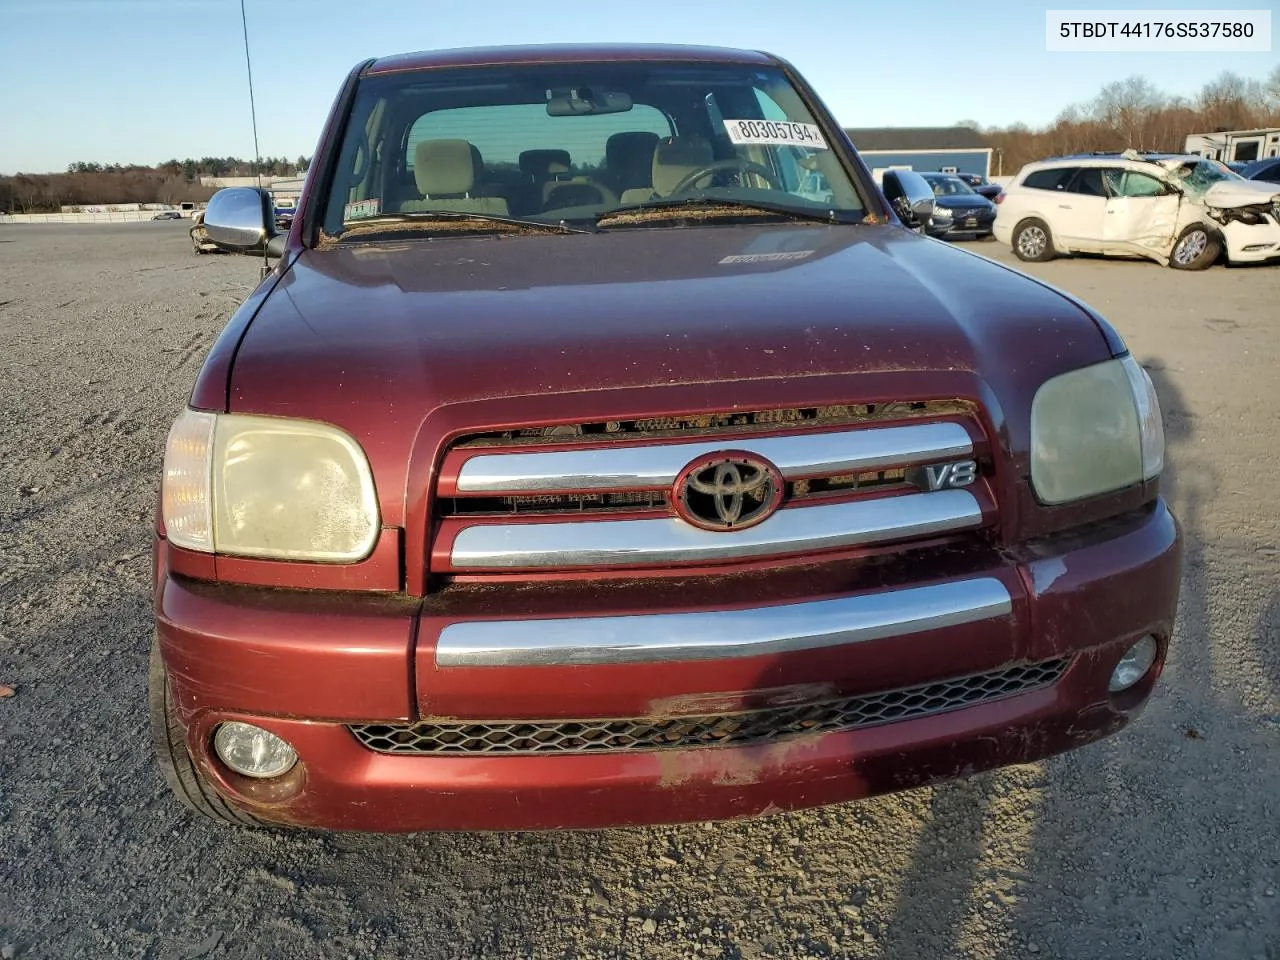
948,186
1198,176
569,142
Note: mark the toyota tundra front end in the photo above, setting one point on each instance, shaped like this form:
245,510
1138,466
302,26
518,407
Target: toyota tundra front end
587,459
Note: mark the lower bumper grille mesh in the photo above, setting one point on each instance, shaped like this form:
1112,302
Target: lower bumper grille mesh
731,729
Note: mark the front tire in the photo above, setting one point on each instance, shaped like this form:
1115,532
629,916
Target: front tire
1197,248
170,740
1032,241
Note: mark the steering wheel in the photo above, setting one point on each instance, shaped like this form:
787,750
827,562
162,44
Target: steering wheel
735,163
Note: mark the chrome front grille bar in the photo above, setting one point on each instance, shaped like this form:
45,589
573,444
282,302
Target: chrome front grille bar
606,543
649,466
756,631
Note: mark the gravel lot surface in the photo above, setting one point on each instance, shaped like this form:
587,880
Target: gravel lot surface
1162,842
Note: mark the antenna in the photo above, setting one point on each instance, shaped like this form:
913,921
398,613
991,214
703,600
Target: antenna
257,156
253,110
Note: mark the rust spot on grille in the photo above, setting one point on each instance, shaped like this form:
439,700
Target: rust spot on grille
706,703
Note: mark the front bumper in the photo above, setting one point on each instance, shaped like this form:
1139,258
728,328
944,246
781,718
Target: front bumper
1002,230
1251,243
979,225
308,665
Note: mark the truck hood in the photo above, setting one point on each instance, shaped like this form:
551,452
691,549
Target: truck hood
406,343
1229,194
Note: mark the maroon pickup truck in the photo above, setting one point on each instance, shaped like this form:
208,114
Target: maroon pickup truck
602,449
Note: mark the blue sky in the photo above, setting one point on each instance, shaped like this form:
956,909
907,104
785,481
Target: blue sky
139,81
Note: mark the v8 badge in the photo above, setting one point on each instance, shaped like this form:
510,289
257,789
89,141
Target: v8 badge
944,476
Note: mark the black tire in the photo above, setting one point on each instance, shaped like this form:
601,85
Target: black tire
179,770
1197,248
1032,241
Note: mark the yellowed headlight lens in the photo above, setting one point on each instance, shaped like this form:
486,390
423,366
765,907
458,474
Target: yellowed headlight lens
268,487
291,489
1087,436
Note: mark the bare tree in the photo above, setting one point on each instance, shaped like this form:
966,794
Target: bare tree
26,191
1124,107
1066,135
1132,113
1226,98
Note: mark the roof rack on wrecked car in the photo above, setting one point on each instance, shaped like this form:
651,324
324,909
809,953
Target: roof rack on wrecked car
1129,154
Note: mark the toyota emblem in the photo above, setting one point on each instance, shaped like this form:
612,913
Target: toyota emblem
728,491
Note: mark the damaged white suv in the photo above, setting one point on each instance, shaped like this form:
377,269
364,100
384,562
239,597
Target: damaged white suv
1183,211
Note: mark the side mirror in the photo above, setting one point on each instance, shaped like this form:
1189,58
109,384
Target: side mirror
922,207
242,220
911,195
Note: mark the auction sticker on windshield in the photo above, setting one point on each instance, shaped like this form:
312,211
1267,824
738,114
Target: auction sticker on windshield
361,209
777,133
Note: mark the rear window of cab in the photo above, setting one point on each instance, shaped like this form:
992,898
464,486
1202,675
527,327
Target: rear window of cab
502,133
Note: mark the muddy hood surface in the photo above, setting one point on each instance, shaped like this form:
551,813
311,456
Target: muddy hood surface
438,322
486,332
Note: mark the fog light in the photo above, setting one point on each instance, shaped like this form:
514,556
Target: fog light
1133,666
252,751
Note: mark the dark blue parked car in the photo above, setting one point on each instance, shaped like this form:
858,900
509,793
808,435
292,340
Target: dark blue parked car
1268,169
971,213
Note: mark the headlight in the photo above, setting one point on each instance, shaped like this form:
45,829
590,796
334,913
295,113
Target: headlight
1095,430
941,213
267,487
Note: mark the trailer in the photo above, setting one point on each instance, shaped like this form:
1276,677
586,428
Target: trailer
1236,146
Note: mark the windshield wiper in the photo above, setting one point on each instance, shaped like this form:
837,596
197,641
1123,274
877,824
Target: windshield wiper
459,216
762,206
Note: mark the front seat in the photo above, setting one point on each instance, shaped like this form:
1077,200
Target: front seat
445,172
673,160
628,159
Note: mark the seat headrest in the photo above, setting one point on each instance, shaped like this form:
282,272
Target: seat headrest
629,156
677,157
537,164
445,167
621,147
